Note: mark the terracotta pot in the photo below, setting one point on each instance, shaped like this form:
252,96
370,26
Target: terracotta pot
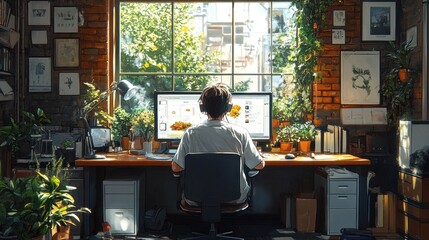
62,234
284,123
403,74
285,146
125,143
317,122
304,146
275,123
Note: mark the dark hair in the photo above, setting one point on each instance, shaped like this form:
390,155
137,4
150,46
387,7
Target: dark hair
216,99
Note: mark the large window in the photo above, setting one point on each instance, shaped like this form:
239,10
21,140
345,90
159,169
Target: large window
186,46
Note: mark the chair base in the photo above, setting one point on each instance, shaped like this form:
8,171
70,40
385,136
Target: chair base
212,235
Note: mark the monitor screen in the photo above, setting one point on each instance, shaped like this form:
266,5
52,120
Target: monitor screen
176,111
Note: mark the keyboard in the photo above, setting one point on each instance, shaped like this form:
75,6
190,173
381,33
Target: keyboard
158,157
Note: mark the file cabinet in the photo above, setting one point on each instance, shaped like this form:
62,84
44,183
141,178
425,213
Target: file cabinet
337,192
120,206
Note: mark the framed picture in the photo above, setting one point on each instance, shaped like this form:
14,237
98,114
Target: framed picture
360,77
338,36
412,36
66,52
39,13
69,84
339,18
363,116
39,74
378,21
65,19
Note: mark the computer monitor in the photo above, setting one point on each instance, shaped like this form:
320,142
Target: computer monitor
176,111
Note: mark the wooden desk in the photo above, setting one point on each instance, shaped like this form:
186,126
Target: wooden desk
158,186
127,160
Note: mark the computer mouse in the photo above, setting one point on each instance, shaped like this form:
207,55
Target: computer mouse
290,156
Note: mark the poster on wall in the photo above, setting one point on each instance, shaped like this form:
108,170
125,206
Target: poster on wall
65,20
39,74
360,77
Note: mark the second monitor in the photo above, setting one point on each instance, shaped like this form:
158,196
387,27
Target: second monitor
176,111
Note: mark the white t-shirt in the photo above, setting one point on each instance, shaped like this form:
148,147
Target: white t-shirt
220,136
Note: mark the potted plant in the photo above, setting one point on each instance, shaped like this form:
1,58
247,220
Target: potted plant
18,135
306,133
32,206
143,125
121,126
400,56
67,151
287,135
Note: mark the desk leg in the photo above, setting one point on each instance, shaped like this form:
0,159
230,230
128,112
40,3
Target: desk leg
89,200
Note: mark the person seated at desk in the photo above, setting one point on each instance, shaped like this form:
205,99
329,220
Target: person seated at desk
217,135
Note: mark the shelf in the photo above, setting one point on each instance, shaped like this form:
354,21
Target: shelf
8,97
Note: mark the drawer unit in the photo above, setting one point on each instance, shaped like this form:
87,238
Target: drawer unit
120,206
413,206
337,194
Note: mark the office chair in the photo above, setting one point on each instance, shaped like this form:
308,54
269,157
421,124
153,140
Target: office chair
212,180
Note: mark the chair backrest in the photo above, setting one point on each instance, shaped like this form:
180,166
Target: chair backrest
212,178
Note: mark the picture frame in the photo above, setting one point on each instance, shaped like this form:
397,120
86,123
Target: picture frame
412,36
39,74
339,18
39,13
66,52
364,116
69,83
360,77
66,19
338,36
378,21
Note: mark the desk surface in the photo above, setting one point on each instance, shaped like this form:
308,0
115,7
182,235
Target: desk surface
273,159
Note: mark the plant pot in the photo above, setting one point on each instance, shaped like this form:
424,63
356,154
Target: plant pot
62,234
284,123
275,123
286,146
125,143
317,122
404,74
304,146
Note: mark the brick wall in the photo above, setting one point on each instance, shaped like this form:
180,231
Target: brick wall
94,58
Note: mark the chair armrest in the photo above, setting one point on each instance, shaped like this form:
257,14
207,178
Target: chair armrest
252,173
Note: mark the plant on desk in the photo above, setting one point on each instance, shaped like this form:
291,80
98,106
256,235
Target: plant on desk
121,126
143,125
287,136
306,133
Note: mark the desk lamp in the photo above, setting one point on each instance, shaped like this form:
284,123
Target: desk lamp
126,89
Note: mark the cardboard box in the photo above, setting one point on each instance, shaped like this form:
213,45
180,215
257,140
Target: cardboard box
306,206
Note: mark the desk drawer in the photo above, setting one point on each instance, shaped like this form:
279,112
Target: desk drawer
342,201
342,187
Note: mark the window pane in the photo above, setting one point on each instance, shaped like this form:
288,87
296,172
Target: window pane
145,37
200,33
252,83
252,38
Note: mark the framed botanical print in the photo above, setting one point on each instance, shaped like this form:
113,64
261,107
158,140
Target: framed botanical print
378,21
360,77
69,84
39,74
66,52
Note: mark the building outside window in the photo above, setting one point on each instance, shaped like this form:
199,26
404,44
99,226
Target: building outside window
184,46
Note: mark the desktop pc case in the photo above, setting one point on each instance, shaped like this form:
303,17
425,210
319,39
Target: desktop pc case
414,145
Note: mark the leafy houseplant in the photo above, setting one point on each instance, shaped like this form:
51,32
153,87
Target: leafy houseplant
287,136
121,124
305,131
32,206
400,57
143,125
19,134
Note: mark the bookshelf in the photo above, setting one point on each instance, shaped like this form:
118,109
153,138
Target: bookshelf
9,37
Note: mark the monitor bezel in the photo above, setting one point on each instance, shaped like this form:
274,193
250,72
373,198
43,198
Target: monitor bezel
157,93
